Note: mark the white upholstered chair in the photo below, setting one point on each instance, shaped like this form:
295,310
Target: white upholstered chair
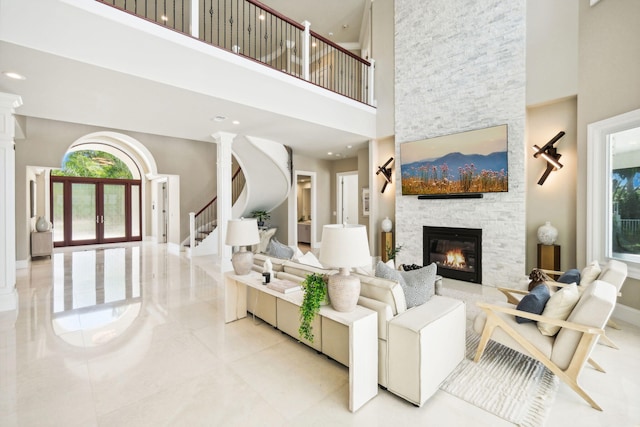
565,353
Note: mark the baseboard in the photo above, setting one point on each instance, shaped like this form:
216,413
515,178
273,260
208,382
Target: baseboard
627,314
173,248
22,263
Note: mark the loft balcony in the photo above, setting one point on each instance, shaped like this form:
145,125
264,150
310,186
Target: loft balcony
103,65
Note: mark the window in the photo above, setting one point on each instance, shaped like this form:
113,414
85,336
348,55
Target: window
613,190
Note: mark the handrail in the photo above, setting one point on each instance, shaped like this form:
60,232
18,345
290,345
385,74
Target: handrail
257,32
236,173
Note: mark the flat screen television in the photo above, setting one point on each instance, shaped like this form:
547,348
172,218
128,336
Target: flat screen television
471,162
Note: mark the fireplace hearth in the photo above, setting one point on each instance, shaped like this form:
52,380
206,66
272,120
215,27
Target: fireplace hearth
456,251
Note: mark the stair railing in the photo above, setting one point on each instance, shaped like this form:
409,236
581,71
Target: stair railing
202,223
251,29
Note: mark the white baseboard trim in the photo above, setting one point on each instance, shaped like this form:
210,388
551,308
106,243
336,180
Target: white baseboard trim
173,248
627,314
22,264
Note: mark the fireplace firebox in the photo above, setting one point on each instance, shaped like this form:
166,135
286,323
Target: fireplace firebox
456,251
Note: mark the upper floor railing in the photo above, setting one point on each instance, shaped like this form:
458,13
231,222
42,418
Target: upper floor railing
253,30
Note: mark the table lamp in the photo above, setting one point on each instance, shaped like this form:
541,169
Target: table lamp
344,246
242,232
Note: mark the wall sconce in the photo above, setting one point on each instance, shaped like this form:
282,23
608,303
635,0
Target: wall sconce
549,153
386,173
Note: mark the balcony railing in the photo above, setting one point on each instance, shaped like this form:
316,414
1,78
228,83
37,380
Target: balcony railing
253,30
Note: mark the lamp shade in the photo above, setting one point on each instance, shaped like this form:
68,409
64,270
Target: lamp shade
242,232
344,246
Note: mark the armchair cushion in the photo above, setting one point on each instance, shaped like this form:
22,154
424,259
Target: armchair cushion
559,307
590,273
534,302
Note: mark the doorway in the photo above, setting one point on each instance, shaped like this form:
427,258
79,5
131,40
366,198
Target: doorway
95,210
347,197
303,211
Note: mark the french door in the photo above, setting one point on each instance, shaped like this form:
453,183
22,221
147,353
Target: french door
92,210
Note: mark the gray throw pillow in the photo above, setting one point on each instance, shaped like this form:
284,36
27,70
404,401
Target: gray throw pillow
279,250
418,285
534,302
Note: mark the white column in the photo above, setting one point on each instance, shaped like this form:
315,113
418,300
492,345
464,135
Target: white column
372,81
8,294
306,50
224,141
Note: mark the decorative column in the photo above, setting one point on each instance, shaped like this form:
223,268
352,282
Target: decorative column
8,294
224,141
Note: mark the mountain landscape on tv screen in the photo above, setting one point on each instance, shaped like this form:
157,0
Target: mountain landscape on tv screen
456,173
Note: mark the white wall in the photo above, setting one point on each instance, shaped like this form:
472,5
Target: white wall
460,65
552,50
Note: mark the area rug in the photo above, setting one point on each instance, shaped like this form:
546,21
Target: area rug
504,382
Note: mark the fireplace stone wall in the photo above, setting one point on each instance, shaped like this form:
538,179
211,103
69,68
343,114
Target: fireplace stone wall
460,65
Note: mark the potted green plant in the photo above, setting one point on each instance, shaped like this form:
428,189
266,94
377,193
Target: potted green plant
261,216
315,295
392,252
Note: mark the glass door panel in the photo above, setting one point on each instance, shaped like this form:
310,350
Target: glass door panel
58,211
83,212
135,211
114,218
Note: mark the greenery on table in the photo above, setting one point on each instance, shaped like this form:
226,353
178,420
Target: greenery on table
315,293
392,252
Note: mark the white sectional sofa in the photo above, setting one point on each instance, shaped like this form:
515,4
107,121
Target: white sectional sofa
417,347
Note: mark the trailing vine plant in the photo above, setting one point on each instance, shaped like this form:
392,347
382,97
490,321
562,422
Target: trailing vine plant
315,293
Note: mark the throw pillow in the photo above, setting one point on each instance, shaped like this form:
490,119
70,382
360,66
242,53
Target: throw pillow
533,302
309,259
589,273
265,238
279,250
418,285
559,307
570,276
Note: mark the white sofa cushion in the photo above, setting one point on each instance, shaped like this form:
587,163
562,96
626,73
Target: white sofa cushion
559,307
387,291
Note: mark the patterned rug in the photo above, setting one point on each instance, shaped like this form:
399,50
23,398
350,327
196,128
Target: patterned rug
505,383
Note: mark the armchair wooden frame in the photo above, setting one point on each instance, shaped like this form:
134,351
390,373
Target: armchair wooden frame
512,299
589,338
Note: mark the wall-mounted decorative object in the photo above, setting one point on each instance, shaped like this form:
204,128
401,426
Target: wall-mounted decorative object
458,165
365,202
548,152
386,173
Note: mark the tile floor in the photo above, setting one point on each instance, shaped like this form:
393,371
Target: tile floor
130,335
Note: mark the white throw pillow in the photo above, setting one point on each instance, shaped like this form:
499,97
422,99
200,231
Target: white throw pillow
590,273
265,238
559,307
309,259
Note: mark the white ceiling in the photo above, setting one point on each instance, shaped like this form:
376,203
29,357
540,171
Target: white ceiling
61,88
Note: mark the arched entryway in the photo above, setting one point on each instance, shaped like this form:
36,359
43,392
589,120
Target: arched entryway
88,204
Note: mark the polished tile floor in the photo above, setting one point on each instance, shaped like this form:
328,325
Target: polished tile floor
131,335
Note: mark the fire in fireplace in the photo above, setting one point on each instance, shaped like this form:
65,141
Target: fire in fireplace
456,251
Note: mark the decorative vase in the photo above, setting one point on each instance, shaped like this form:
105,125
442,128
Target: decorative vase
387,225
547,234
42,224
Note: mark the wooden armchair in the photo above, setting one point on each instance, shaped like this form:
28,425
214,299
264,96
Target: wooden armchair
614,272
566,353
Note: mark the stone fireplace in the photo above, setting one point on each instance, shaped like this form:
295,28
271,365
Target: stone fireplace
456,251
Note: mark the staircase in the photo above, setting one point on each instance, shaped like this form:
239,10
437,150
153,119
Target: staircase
262,182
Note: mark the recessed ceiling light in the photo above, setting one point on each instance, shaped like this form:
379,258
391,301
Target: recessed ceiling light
313,44
261,17
345,26
330,153
13,75
219,118
235,122
349,146
164,18
331,34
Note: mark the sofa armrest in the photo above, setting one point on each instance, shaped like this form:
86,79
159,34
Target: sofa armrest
384,314
290,277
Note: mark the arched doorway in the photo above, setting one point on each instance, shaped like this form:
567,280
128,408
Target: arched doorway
98,194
